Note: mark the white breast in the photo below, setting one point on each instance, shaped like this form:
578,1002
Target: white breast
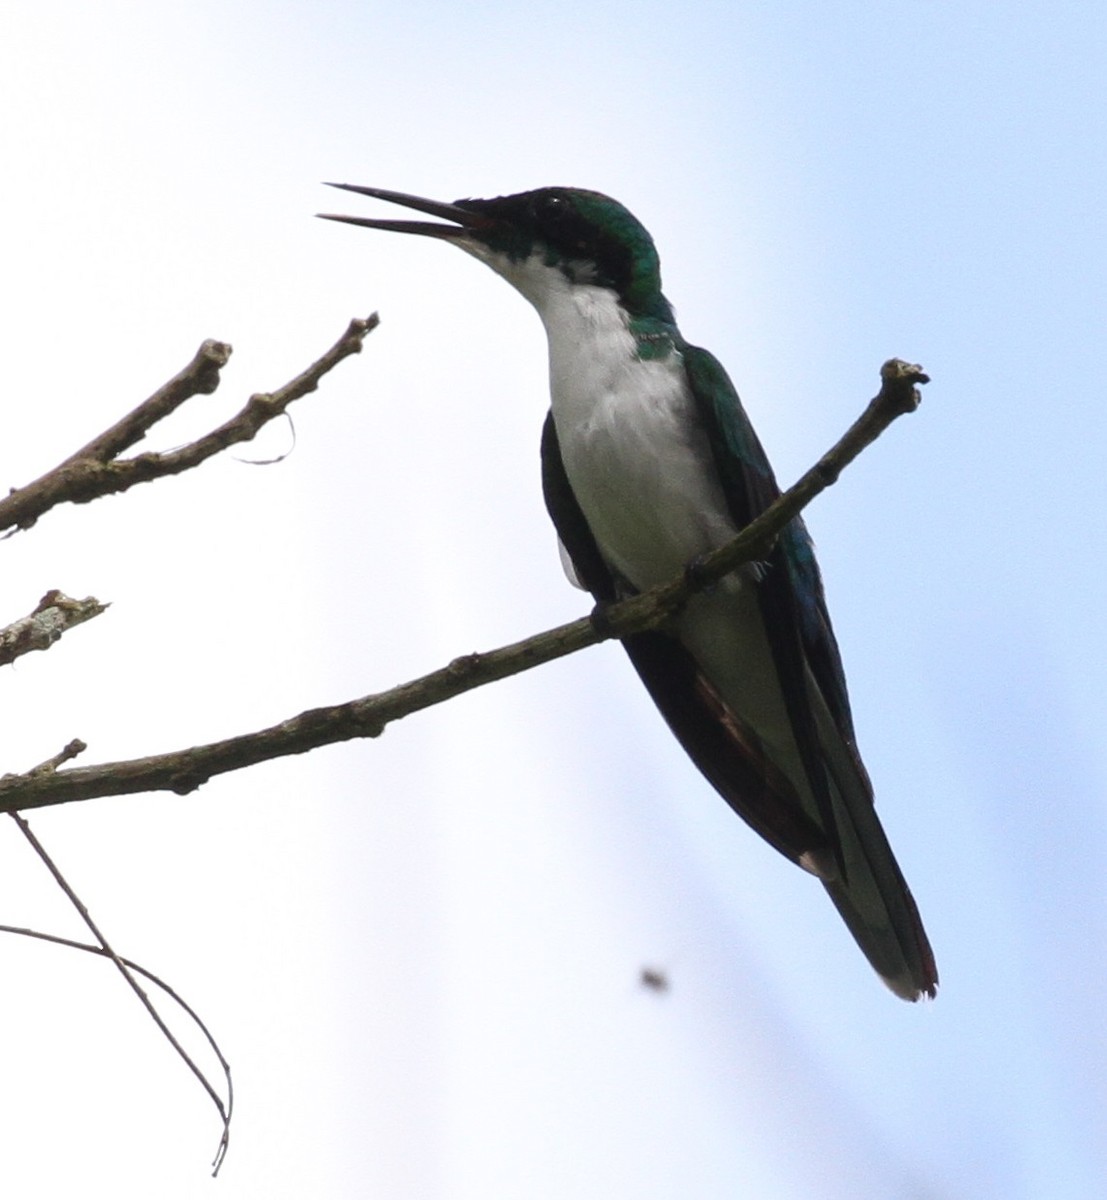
643,474
633,449
642,471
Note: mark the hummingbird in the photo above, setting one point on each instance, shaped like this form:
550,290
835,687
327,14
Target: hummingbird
649,462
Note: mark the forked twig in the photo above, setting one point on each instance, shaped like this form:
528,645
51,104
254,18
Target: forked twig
97,470
128,970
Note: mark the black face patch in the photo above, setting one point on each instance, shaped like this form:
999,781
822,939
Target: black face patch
590,236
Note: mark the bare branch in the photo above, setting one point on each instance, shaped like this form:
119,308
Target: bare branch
39,630
199,378
96,470
182,771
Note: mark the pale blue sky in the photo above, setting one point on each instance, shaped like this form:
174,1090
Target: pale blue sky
421,954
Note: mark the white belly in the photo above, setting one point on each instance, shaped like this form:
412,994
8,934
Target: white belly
642,471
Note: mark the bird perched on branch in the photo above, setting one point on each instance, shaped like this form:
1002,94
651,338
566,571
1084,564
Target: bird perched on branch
649,462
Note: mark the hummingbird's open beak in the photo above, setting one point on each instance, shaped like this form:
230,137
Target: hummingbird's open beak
463,218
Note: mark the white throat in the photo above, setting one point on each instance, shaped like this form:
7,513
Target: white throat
633,449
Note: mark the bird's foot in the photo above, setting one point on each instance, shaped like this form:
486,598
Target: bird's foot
600,621
698,577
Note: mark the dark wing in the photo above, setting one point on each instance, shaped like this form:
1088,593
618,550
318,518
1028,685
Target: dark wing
791,597
869,889
846,844
727,753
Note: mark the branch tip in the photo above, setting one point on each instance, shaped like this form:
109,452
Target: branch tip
54,614
210,359
899,382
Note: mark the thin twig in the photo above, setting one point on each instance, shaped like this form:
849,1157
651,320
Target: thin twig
132,982
183,771
183,1004
96,470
